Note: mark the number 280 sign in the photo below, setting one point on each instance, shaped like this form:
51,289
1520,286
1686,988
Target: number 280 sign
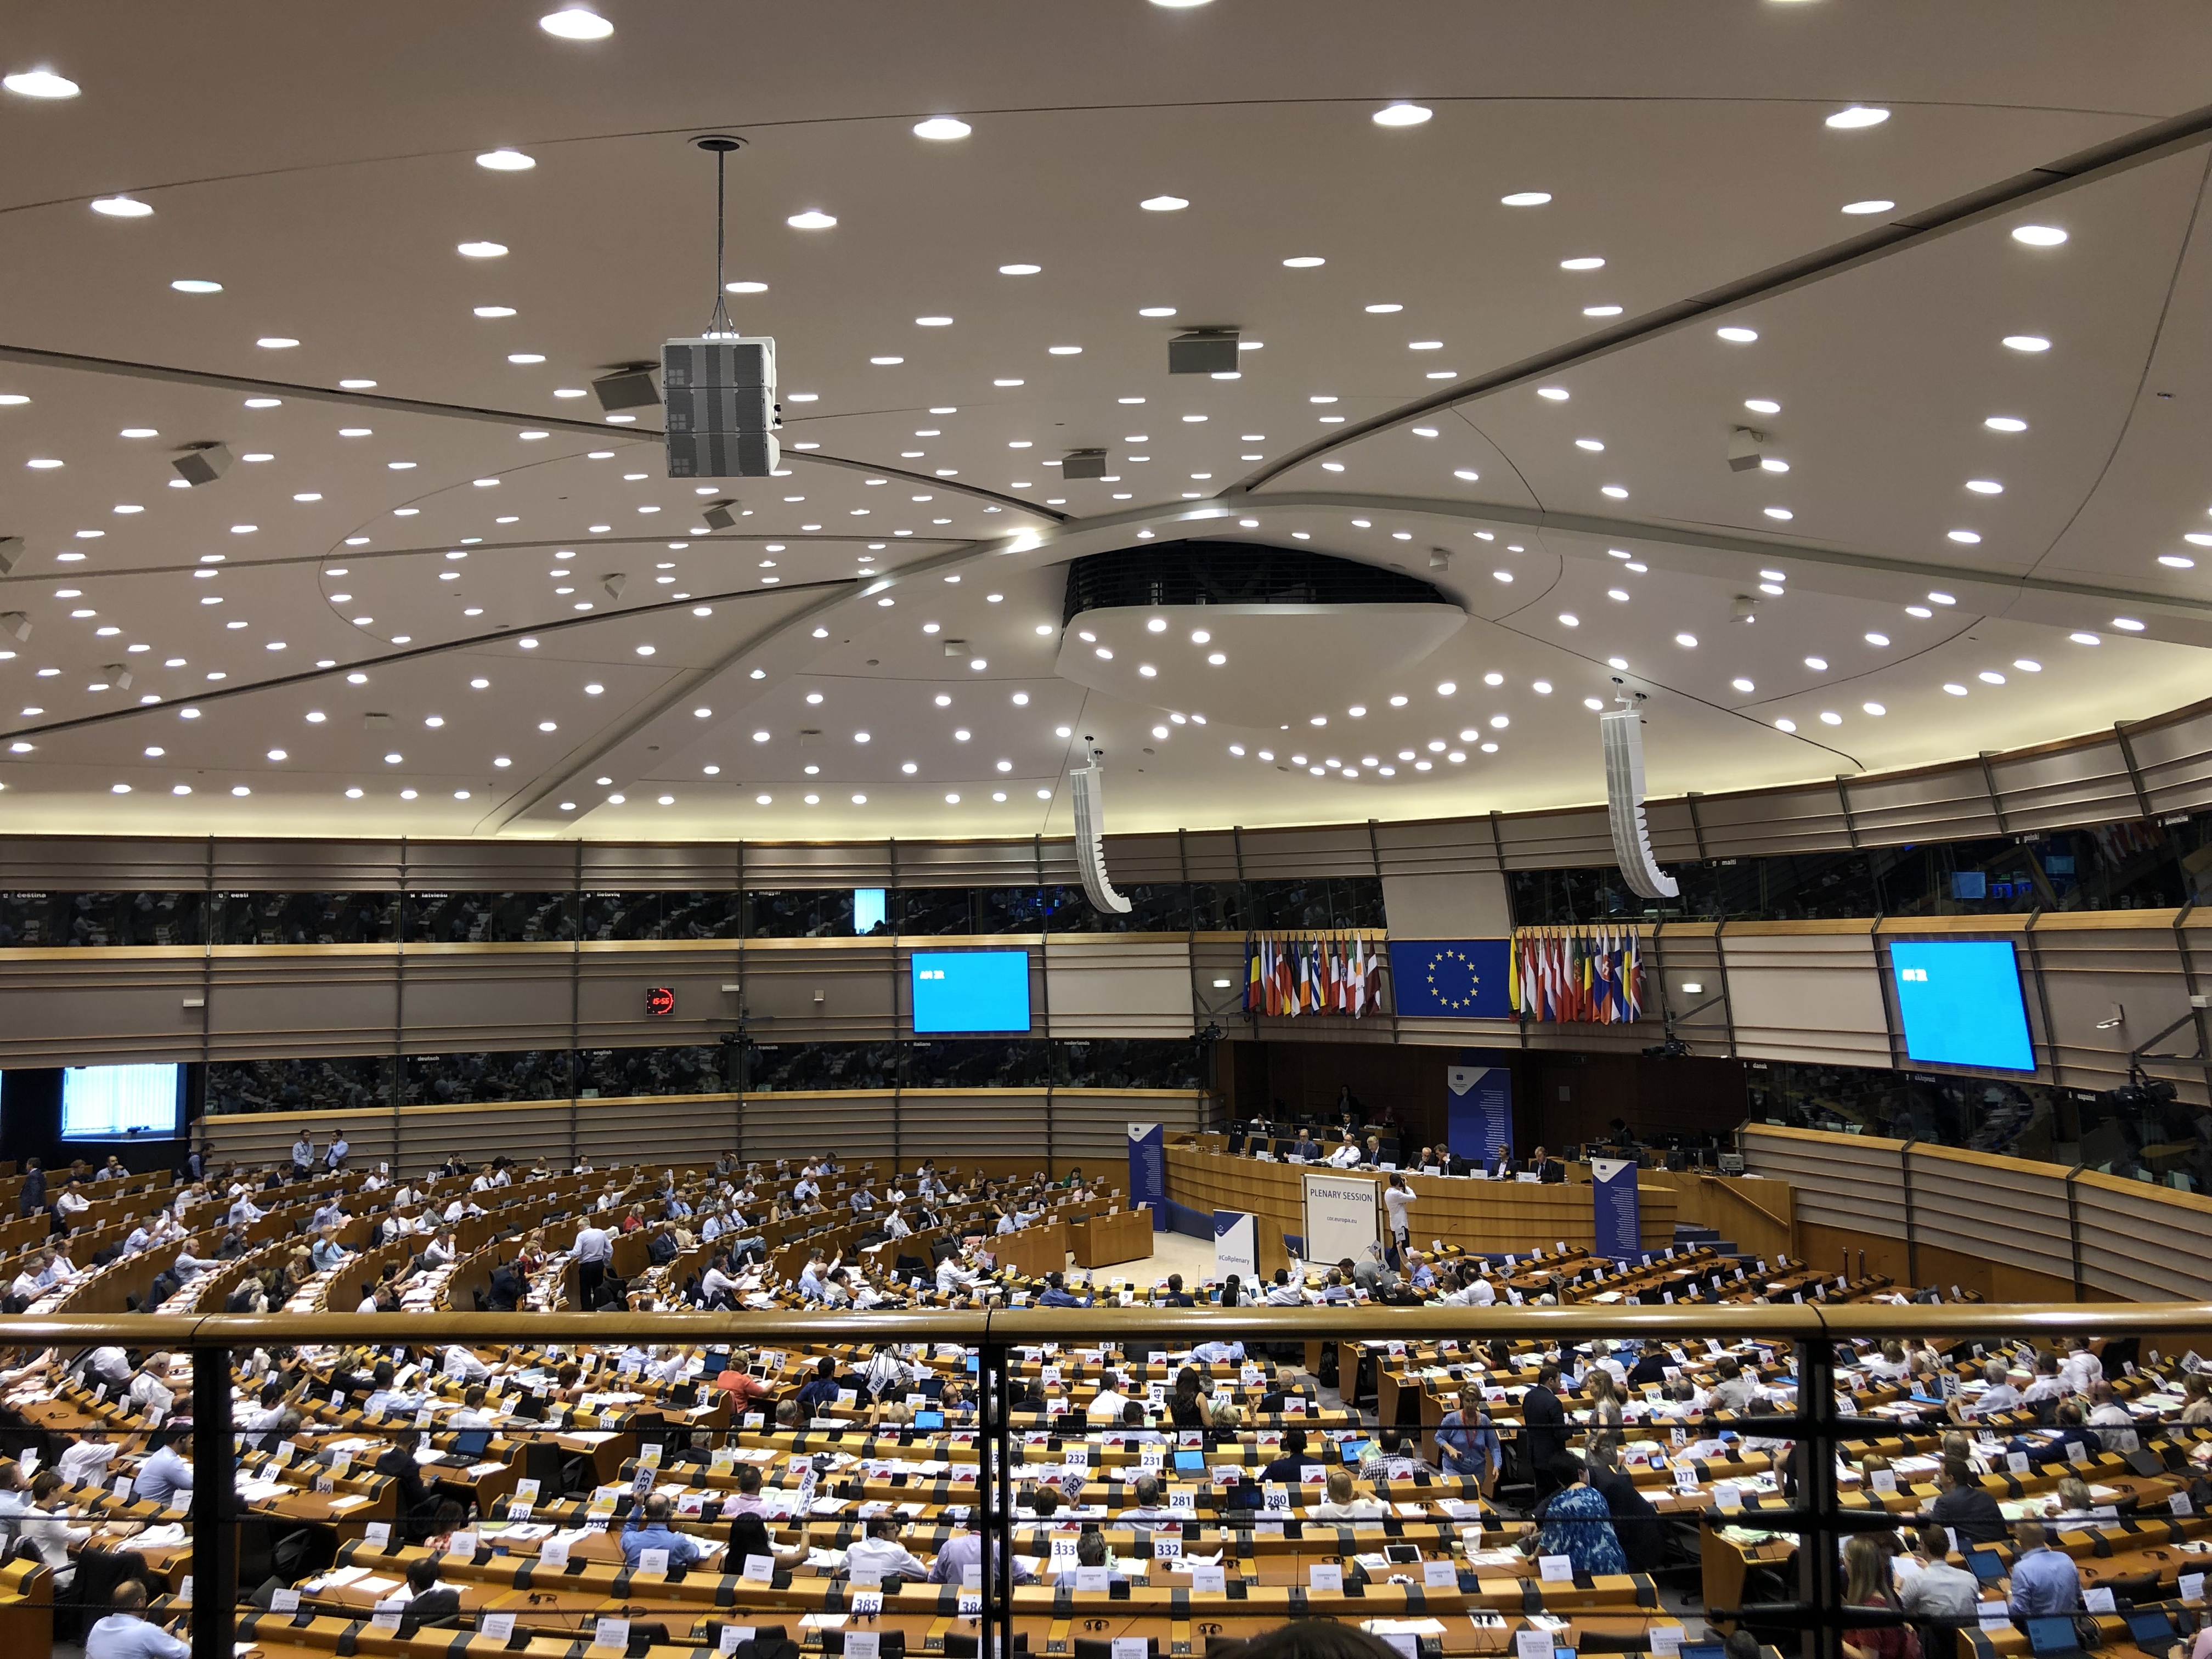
660,1001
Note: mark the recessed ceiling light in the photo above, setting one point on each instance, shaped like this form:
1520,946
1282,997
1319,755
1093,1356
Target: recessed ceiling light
1401,115
121,207
1591,444
1858,115
506,160
1601,311
1526,199
1762,406
480,250
1065,350
1383,310
2038,235
1955,689
1818,664
2005,424
195,285
941,128
1876,205
1985,486
1584,262
2177,561
574,23
1305,262
1919,611
812,219
1967,537
1736,334
1163,204
2027,343
45,83
2127,624
526,357
1557,394
886,363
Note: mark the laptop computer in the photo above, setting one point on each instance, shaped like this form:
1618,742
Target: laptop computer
1703,1650
2152,1632
1987,1565
929,1419
470,1443
2054,1639
714,1364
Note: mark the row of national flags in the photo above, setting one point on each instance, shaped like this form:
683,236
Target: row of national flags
1289,974
1593,976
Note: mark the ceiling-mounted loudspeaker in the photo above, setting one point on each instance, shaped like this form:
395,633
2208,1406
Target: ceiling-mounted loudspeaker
1745,447
720,515
1622,730
1089,790
14,624
614,581
202,464
118,675
11,549
629,387
719,385
1203,351
720,395
1084,464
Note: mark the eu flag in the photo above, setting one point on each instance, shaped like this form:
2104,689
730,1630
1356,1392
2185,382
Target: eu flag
1450,979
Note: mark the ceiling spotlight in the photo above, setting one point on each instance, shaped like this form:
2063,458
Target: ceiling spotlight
480,250
1404,115
812,219
576,24
506,160
1858,115
2038,235
1526,199
1163,204
941,128
121,207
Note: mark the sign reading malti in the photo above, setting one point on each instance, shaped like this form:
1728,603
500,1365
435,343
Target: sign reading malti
659,1001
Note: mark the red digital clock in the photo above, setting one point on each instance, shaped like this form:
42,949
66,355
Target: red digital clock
660,1001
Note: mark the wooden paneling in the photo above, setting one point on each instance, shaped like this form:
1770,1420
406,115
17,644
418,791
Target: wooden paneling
1980,1205
1855,1182
1814,997
1476,1215
1099,986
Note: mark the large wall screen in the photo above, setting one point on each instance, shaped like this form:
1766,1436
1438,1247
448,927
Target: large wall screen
971,992
1961,1001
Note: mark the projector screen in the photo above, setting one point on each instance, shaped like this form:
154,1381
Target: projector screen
971,992
105,1102
1961,1001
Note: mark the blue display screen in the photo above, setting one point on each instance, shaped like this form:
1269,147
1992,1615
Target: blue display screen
1960,1002
971,991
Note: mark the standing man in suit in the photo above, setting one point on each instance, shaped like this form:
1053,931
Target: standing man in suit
1544,1419
33,1196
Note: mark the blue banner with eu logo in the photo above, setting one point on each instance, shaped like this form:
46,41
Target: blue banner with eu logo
1450,979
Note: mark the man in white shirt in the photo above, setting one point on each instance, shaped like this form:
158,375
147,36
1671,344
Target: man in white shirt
895,1225
1345,1156
243,1214
71,1204
303,1154
880,1555
594,1249
953,1279
1106,1404
805,1189
126,1634
463,1366
189,1267
84,1464
2081,1369
1283,1293
335,1156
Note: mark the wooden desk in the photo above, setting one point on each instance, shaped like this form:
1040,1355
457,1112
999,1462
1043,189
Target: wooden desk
1035,1251
1103,1239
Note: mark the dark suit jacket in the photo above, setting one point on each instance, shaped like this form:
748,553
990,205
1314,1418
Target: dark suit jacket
439,1601
1546,1421
33,1196
1635,1521
1498,1168
1552,1171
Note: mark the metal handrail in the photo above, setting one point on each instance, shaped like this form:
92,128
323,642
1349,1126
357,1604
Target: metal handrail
973,1326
